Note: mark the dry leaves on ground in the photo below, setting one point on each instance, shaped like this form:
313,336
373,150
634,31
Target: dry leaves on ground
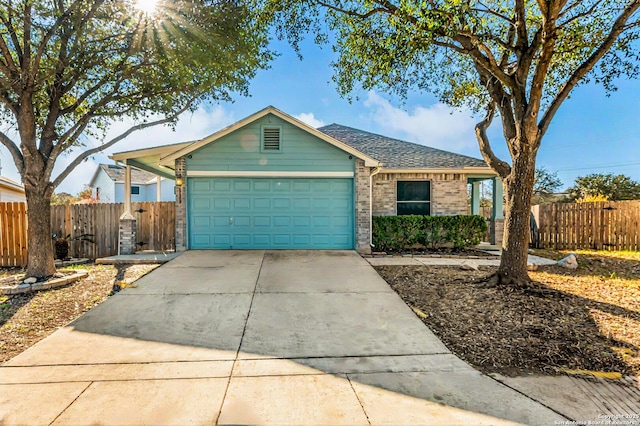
588,319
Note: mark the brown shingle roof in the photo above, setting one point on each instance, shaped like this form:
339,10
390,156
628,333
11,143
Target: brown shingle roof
399,154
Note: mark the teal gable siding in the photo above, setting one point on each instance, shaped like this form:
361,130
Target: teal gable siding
300,151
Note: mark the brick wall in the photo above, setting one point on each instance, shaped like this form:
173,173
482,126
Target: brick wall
448,192
181,204
363,208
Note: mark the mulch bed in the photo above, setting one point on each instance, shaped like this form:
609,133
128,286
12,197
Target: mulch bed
577,320
28,318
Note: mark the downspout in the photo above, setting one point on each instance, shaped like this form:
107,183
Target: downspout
374,172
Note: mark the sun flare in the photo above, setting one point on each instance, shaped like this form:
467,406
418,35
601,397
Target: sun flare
146,6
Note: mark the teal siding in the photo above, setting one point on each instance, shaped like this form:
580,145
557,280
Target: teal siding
240,150
266,213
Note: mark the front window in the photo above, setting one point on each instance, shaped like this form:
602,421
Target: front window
414,197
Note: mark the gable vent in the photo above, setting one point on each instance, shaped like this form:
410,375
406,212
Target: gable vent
271,139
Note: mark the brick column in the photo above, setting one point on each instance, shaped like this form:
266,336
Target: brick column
496,231
181,204
363,208
128,230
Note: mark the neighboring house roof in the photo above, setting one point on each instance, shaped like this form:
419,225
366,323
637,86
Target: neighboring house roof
11,185
399,154
116,174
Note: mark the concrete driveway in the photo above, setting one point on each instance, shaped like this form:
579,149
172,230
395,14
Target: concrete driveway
254,337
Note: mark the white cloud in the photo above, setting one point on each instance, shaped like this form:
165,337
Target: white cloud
438,125
310,119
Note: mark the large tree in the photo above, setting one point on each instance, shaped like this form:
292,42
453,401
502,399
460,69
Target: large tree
70,68
519,59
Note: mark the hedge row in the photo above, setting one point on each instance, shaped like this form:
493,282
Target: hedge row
433,232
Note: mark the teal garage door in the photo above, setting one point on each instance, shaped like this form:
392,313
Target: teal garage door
266,213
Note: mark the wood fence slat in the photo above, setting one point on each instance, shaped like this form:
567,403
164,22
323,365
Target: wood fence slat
156,227
600,225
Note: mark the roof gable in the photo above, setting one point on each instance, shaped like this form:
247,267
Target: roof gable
399,154
169,159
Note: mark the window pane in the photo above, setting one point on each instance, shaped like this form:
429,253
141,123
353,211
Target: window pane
414,208
135,190
414,191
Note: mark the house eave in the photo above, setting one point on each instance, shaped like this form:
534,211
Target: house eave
461,170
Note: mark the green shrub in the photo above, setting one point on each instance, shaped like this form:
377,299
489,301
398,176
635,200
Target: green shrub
433,232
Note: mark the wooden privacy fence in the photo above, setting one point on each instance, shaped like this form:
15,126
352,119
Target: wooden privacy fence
155,228
609,225
13,234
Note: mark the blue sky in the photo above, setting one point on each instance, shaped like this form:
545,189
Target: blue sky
592,133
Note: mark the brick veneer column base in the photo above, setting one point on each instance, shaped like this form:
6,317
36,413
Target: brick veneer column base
128,231
496,231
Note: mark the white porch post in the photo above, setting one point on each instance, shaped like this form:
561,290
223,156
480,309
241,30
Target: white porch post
158,188
475,197
498,199
128,229
127,193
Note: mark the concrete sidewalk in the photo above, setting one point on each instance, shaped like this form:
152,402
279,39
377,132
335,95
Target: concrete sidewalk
254,337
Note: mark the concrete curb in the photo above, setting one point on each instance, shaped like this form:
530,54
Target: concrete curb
47,285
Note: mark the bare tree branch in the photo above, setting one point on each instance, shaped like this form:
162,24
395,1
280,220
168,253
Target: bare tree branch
502,168
14,151
82,156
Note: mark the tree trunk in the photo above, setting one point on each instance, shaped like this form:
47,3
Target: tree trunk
40,261
515,243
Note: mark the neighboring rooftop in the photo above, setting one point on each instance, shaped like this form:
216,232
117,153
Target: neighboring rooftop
116,173
398,154
8,183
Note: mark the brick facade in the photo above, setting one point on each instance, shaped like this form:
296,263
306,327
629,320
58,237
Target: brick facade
363,208
181,204
448,192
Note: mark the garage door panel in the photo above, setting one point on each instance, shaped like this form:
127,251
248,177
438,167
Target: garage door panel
282,186
282,240
220,204
261,186
260,240
271,213
281,203
221,185
301,203
282,221
241,186
202,239
262,221
202,186
262,203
